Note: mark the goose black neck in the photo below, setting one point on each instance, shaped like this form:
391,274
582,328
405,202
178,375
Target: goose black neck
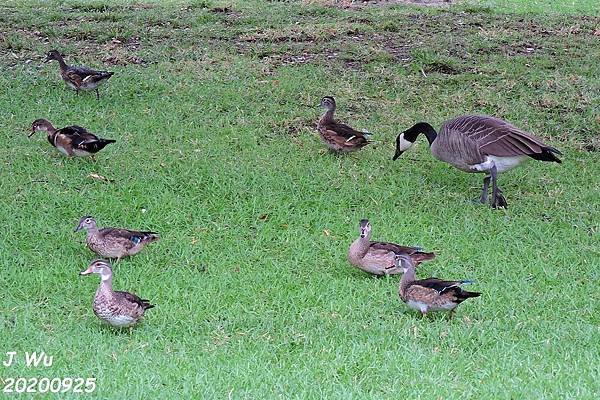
421,127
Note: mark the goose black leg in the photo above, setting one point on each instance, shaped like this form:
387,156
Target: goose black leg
484,192
498,199
97,94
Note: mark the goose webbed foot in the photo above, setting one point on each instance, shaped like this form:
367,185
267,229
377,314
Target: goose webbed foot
499,201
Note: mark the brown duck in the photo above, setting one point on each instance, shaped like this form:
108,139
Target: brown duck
477,143
114,242
118,309
379,258
79,78
71,140
430,294
337,136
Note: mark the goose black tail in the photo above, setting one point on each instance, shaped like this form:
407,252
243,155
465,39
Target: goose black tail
547,154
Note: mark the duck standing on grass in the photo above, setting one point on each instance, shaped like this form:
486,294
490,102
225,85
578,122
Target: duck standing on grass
379,258
71,140
430,294
477,143
118,309
114,242
337,136
79,78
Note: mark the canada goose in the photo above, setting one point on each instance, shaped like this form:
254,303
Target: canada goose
430,294
337,136
71,140
114,242
379,258
477,143
79,78
118,309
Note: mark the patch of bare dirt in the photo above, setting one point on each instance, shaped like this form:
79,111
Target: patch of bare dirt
123,52
383,3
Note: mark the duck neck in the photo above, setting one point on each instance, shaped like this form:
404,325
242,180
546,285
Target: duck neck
328,116
92,231
359,248
425,129
106,285
61,62
407,278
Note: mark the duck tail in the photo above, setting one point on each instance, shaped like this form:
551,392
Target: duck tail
146,304
466,294
420,256
150,237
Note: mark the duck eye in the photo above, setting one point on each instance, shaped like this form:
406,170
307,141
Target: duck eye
88,221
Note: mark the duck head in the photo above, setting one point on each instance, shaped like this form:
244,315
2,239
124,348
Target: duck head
42,125
100,267
364,229
328,103
54,55
86,223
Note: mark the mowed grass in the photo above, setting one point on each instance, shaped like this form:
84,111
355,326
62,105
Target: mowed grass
213,106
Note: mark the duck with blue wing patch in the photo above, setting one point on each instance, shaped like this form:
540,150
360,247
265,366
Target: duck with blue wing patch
71,140
337,136
379,258
79,78
114,242
116,308
431,294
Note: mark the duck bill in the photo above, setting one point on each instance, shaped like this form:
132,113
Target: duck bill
79,227
86,272
31,133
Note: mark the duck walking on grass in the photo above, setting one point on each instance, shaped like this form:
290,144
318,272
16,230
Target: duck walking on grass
79,78
118,309
379,258
114,242
71,140
477,143
430,294
337,136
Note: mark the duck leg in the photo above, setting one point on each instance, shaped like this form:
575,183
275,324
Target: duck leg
484,192
498,199
97,94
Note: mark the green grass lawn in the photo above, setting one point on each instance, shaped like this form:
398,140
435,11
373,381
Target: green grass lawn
214,107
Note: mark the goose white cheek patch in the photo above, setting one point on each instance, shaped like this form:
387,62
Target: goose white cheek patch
404,144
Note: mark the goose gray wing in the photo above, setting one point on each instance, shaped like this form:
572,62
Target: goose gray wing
497,137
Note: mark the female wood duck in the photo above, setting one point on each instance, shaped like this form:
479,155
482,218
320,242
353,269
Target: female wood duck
118,309
114,242
430,294
71,140
379,258
79,78
339,137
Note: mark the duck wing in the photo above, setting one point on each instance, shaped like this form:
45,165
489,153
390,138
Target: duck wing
416,253
128,238
132,300
497,137
343,135
82,139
